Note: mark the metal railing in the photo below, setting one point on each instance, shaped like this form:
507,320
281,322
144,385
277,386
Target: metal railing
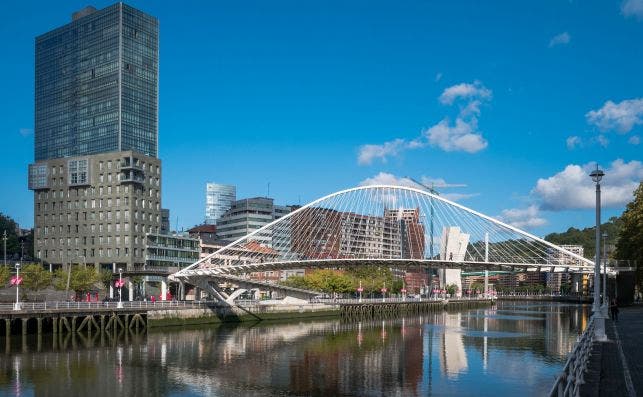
568,383
397,300
61,305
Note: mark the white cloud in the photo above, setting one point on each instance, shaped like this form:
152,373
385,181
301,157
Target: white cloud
438,76
368,153
634,140
523,218
25,131
602,140
560,39
622,116
384,178
632,8
572,188
461,136
573,142
465,91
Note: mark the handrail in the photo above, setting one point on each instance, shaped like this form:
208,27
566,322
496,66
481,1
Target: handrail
573,375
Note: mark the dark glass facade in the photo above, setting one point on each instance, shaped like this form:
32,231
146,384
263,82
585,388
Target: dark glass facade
97,85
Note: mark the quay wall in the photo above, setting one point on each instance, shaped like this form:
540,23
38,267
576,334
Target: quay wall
220,314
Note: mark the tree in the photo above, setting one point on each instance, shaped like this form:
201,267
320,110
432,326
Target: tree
630,242
5,273
105,277
137,282
452,289
81,278
477,287
35,278
13,242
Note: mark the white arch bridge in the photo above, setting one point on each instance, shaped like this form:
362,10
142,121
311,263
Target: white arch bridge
394,226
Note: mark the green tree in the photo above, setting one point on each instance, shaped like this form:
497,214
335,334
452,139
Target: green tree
81,278
452,289
630,242
105,277
5,274
477,287
35,278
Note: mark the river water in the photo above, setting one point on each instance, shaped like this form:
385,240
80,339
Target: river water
514,348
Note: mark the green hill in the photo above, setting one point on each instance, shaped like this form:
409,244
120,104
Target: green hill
586,237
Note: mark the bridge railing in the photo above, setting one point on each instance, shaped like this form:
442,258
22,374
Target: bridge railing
568,383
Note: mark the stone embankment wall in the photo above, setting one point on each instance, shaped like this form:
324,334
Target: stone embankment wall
218,314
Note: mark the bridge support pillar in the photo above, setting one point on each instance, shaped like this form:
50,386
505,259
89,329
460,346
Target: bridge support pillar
181,290
577,282
7,327
130,290
486,283
111,291
163,289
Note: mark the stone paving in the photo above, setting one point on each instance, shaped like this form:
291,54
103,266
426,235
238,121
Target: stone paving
630,335
606,375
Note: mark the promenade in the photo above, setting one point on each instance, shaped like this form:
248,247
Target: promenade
620,370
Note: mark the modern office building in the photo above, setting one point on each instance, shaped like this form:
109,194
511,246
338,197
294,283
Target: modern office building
170,252
218,199
247,215
96,177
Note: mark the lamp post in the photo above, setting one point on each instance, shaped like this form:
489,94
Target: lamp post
17,281
4,239
120,286
599,319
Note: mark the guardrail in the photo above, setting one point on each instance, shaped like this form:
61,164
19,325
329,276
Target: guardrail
568,383
39,306
396,300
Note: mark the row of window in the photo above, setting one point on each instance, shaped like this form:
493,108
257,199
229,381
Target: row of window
107,215
88,253
93,203
84,229
91,191
91,240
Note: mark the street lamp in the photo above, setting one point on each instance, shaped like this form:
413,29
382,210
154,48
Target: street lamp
599,319
4,239
119,284
17,280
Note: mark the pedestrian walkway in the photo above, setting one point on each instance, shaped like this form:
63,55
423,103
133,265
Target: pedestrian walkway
629,332
620,372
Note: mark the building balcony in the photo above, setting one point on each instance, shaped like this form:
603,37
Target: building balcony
132,177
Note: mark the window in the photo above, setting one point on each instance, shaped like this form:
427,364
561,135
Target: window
78,172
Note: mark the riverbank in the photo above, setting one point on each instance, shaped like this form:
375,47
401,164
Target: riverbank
547,298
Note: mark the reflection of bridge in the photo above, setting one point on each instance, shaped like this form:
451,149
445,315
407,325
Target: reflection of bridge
392,226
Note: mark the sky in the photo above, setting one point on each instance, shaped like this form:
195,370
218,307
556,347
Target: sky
502,106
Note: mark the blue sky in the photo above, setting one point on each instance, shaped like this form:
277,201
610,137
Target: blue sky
512,99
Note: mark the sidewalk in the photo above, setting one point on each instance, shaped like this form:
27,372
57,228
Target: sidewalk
629,329
607,376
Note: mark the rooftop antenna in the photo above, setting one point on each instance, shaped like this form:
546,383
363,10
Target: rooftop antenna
268,196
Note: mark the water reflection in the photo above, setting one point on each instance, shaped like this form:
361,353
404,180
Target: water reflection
508,349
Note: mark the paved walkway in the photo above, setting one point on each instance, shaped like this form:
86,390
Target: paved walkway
621,358
629,329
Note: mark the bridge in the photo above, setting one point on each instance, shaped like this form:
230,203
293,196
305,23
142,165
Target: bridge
391,226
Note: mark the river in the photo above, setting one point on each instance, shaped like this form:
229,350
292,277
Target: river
513,348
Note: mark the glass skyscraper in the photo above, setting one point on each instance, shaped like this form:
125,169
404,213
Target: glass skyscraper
97,85
218,199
